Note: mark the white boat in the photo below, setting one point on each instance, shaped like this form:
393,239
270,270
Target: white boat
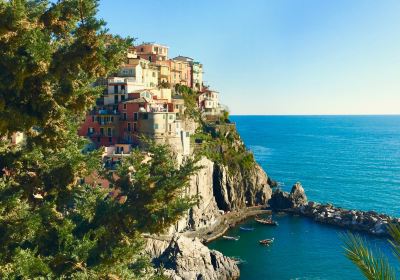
235,238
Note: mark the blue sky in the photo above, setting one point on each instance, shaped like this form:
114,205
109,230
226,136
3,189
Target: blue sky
270,57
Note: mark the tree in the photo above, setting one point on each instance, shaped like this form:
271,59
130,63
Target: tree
51,225
372,267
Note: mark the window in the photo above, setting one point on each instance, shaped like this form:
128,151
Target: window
115,99
171,117
150,58
124,106
101,131
141,49
156,126
145,116
123,97
135,116
134,127
129,126
115,89
110,139
112,119
124,116
123,87
109,131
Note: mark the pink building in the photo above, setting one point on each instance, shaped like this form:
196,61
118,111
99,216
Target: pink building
152,52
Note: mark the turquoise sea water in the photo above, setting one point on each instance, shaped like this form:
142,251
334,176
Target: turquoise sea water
351,161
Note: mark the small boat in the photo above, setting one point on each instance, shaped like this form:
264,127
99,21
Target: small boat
247,228
235,238
266,241
268,221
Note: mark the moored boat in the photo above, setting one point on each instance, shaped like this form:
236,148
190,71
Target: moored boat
235,238
247,228
266,241
268,221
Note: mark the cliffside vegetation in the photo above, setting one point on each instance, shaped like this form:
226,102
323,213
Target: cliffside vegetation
52,226
219,141
216,137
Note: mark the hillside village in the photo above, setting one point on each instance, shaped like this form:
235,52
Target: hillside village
145,98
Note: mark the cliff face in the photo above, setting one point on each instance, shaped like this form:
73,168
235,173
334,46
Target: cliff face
219,189
241,188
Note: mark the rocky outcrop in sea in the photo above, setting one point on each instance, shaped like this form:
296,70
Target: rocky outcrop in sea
185,258
356,220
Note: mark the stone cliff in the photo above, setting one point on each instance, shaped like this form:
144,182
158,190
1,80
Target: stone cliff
220,190
220,186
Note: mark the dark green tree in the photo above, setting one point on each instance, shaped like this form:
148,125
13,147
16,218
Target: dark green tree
51,226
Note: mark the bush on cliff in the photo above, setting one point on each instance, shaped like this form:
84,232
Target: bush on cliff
51,226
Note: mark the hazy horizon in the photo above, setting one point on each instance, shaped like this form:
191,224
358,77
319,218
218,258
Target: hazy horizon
279,57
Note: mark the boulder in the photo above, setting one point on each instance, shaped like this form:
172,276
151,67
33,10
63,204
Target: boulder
297,195
284,200
186,259
280,200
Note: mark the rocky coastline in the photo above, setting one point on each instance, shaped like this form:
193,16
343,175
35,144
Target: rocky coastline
225,199
296,202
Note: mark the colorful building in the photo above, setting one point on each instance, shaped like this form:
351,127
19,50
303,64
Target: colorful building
196,72
152,52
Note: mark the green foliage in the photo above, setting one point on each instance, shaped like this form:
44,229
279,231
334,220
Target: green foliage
222,144
51,225
153,185
51,55
373,268
190,99
164,84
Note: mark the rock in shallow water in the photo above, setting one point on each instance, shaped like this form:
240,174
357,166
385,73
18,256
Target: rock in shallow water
283,200
186,259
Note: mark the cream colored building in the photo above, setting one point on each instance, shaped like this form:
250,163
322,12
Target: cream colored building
197,76
210,102
165,128
119,87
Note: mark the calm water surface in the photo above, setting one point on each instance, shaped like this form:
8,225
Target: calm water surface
352,161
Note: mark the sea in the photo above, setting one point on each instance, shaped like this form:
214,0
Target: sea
350,161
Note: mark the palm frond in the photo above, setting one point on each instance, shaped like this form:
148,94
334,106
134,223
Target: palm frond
373,268
394,231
